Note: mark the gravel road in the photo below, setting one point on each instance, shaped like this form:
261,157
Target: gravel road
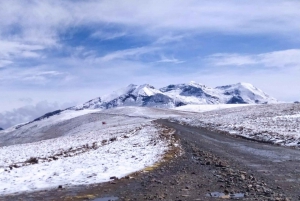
277,166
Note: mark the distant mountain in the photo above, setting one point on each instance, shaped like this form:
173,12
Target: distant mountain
173,96
245,93
1,129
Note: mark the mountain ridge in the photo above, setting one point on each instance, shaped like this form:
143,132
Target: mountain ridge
175,95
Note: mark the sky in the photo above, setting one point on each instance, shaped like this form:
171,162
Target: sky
55,54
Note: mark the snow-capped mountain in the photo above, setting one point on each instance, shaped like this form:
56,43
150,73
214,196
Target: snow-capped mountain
245,93
173,96
133,95
192,93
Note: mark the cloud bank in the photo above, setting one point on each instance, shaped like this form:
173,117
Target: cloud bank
27,113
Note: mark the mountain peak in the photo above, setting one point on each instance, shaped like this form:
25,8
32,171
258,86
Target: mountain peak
245,84
243,92
132,86
196,84
145,90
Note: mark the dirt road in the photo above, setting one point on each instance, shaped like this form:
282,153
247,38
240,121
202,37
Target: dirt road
212,166
279,166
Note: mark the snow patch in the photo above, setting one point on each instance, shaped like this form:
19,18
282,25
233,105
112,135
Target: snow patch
205,108
275,123
104,151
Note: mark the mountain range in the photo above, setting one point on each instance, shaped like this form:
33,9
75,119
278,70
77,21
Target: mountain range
173,96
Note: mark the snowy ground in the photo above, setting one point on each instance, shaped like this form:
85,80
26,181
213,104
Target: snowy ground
205,108
145,112
91,146
87,152
276,123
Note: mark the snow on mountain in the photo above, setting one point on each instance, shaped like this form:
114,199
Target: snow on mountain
91,104
244,93
173,96
192,93
140,95
133,95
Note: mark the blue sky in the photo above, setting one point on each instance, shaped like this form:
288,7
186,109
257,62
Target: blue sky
54,54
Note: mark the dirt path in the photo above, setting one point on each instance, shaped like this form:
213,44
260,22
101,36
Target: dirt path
279,166
211,162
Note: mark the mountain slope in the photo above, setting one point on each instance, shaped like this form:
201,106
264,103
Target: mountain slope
76,148
245,93
192,93
133,95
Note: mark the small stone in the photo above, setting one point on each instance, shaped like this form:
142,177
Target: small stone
225,196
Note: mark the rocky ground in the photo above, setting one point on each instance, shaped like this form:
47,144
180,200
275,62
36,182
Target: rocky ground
199,173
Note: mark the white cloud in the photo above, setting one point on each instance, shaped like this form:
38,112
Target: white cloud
38,75
4,63
108,35
14,47
165,59
170,38
223,59
285,58
133,53
14,50
42,77
279,59
28,113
